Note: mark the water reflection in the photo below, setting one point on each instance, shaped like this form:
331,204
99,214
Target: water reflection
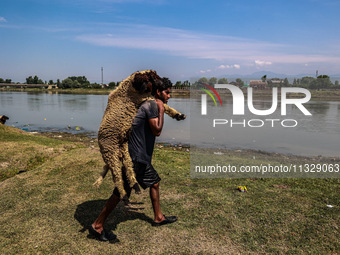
79,103
34,102
318,108
6,100
314,135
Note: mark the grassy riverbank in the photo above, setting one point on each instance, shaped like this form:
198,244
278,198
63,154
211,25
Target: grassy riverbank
47,207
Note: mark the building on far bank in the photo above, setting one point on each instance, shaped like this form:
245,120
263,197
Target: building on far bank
275,82
258,84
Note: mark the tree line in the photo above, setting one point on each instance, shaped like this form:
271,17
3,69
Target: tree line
320,82
68,83
5,81
72,82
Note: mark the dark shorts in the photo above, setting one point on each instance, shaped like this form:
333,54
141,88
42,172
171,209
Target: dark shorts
146,176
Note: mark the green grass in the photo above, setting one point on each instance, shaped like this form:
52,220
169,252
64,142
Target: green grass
22,151
47,208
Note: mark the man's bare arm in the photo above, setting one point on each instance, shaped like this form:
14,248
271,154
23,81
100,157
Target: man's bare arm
156,124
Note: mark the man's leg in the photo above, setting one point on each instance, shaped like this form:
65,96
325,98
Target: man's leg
146,175
160,218
154,195
111,203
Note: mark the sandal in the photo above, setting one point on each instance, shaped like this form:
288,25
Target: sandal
104,236
167,220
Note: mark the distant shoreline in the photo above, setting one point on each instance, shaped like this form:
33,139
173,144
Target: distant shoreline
327,95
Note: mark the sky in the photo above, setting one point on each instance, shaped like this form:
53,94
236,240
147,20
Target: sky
56,39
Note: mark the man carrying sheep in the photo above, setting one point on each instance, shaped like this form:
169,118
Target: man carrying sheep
147,124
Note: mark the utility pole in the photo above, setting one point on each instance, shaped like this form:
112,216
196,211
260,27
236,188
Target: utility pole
102,77
317,73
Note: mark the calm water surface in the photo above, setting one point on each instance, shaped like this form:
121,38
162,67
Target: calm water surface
318,134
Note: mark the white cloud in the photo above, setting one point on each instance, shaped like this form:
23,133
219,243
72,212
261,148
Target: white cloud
229,66
2,19
262,63
205,71
178,42
191,44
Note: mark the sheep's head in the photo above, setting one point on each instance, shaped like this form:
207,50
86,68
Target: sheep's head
144,80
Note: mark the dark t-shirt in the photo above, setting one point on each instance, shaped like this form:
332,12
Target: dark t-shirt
142,140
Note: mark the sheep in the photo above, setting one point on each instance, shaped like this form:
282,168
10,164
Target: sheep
120,112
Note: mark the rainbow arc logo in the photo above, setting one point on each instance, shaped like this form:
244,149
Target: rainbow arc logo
209,93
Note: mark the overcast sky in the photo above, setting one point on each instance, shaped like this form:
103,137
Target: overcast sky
179,39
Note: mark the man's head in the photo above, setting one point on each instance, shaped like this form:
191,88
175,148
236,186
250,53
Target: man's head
161,89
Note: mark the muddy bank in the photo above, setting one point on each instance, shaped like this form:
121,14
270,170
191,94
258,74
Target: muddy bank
246,154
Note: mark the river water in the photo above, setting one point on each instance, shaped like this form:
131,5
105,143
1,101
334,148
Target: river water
318,134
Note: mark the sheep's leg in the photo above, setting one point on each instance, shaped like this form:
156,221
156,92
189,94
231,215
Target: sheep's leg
100,179
112,159
130,174
173,113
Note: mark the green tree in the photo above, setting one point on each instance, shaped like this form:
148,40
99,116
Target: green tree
336,83
96,85
222,81
307,81
67,83
178,84
285,83
29,80
50,82
321,82
212,81
80,81
8,81
203,80
35,79
186,83
264,78
239,82
112,84
76,84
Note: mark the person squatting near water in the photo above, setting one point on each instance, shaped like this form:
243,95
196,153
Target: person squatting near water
147,124
3,119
